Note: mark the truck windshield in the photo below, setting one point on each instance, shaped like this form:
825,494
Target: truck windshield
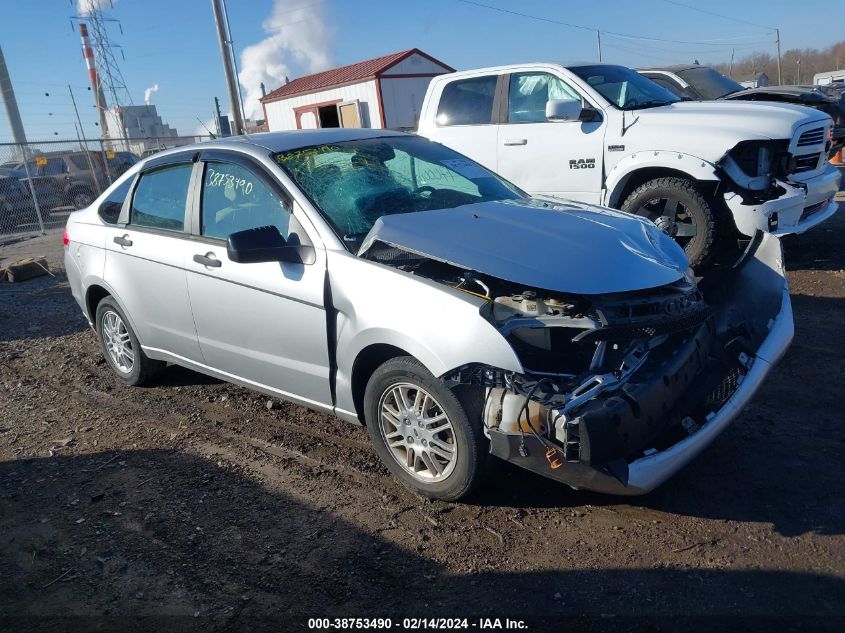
708,83
624,88
354,183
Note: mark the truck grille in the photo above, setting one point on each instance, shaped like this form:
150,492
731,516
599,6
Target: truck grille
811,137
806,162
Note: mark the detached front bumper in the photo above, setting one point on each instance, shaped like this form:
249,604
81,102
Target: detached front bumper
757,292
800,208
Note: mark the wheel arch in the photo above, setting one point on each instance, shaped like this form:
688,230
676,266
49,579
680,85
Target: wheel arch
366,362
95,292
637,169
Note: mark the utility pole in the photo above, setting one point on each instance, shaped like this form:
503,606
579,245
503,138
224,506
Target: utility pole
84,142
798,63
780,76
598,42
228,66
11,103
731,69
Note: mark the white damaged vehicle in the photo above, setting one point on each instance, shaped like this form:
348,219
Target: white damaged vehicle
388,280
604,134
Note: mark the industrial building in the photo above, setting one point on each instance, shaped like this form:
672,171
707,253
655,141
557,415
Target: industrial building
386,92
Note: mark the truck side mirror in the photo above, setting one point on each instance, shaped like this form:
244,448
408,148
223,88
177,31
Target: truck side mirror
563,110
568,110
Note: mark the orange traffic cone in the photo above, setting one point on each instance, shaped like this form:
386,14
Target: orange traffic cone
837,159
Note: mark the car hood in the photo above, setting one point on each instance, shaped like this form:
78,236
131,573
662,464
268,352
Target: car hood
799,93
541,243
708,129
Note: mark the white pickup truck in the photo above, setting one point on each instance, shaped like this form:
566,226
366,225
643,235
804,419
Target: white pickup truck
603,134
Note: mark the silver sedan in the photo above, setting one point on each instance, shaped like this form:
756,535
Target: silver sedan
389,281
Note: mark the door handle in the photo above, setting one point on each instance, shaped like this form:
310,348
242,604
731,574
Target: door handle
123,241
205,260
516,141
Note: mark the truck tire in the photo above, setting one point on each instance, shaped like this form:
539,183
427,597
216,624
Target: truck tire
679,200
404,406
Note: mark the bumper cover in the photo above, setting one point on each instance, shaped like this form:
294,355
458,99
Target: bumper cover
756,289
802,206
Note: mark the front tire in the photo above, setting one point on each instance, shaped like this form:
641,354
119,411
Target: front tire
120,346
680,201
429,437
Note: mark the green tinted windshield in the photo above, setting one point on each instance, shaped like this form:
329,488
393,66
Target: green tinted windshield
354,183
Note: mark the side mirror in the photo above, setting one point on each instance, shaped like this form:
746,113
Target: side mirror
266,244
568,110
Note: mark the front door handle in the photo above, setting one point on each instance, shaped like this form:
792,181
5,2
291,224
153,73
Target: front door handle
208,260
516,141
123,240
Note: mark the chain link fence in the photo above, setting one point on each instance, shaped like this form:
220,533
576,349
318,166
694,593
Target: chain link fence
41,183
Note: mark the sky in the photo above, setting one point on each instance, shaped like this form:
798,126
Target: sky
173,43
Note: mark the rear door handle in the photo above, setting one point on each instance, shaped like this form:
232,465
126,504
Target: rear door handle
123,240
516,141
205,260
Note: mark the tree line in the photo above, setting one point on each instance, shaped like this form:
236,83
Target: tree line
812,61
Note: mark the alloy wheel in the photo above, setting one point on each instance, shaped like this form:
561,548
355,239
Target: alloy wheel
118,342
417,432
659,210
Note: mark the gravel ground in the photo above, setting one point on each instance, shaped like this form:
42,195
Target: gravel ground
208,504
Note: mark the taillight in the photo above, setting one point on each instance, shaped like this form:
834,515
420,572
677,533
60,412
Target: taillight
66,238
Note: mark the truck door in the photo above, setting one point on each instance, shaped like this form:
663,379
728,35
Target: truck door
465,119
561,158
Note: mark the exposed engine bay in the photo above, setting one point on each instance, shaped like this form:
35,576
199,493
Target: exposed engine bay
608,379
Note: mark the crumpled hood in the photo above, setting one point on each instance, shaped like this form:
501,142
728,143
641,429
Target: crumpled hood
553,245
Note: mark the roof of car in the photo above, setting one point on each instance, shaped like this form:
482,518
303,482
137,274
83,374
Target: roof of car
674,68
284,141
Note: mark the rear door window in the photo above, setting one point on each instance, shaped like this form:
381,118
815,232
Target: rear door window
110,208
160,198
467,102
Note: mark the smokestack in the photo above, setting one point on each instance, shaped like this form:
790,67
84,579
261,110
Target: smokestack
263,90
96,86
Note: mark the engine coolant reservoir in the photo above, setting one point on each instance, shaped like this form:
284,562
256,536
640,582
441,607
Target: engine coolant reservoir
525,305
504,410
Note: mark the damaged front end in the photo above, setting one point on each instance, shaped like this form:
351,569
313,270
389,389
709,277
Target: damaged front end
780,186
619,391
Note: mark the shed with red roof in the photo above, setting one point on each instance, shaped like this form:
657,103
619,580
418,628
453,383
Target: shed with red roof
385,92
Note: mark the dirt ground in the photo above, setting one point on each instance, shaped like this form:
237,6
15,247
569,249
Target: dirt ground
193,504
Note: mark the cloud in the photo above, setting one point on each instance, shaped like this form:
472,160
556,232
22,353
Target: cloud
149,93
84,7
297,43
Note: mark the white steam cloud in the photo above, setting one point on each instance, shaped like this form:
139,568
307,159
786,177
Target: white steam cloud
84,7
297,43
149,93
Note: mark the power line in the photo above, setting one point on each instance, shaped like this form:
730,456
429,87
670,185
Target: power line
716,42
718,15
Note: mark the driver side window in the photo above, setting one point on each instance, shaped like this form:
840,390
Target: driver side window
235,199
529,92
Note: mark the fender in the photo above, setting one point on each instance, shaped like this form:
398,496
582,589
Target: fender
441,327
692,166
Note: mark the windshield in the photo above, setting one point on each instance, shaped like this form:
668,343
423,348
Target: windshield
623,87
354,183
708,83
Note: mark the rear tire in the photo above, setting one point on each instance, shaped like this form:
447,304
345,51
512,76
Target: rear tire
81,197
445,465
120,346
680,199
